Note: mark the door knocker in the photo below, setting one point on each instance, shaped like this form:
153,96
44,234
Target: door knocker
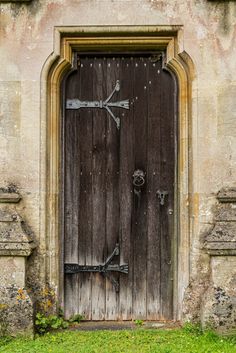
138,182
138,178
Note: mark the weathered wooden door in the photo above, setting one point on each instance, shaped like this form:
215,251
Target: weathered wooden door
119,139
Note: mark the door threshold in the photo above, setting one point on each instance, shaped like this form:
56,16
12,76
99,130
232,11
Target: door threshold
124,325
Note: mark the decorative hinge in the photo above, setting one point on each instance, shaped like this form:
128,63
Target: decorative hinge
103,269
77,104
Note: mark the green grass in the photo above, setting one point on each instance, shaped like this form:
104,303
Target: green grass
130,341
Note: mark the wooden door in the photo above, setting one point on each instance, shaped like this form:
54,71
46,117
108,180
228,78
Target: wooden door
119,174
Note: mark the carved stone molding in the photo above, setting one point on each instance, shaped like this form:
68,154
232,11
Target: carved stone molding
15,237
15,240
16,244
15,1
227,195
9,197
222,239
219,300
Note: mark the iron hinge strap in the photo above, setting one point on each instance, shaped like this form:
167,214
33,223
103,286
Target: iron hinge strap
77,104
76,268
104,269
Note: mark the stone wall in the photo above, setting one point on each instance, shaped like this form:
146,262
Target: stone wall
208,36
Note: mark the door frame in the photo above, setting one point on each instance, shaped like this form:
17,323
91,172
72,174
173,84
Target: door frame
58,64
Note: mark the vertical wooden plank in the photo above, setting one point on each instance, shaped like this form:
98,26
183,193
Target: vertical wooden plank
99,194
153,184
70,283
127,167
85,205
94,181
167,183
139,227
71,194
112,70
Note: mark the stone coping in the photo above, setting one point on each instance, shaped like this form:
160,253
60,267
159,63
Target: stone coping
227,195
25,252
14,1
220,249
9,197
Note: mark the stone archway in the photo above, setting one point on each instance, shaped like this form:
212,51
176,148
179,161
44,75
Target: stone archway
167,38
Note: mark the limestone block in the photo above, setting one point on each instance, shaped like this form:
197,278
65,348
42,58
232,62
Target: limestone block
12,271
227,111
16,311
194,292
219,301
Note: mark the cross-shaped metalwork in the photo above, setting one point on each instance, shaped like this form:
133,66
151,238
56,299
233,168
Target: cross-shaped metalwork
77,104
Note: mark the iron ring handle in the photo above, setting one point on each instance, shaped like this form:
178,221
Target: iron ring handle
140,181
138,178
